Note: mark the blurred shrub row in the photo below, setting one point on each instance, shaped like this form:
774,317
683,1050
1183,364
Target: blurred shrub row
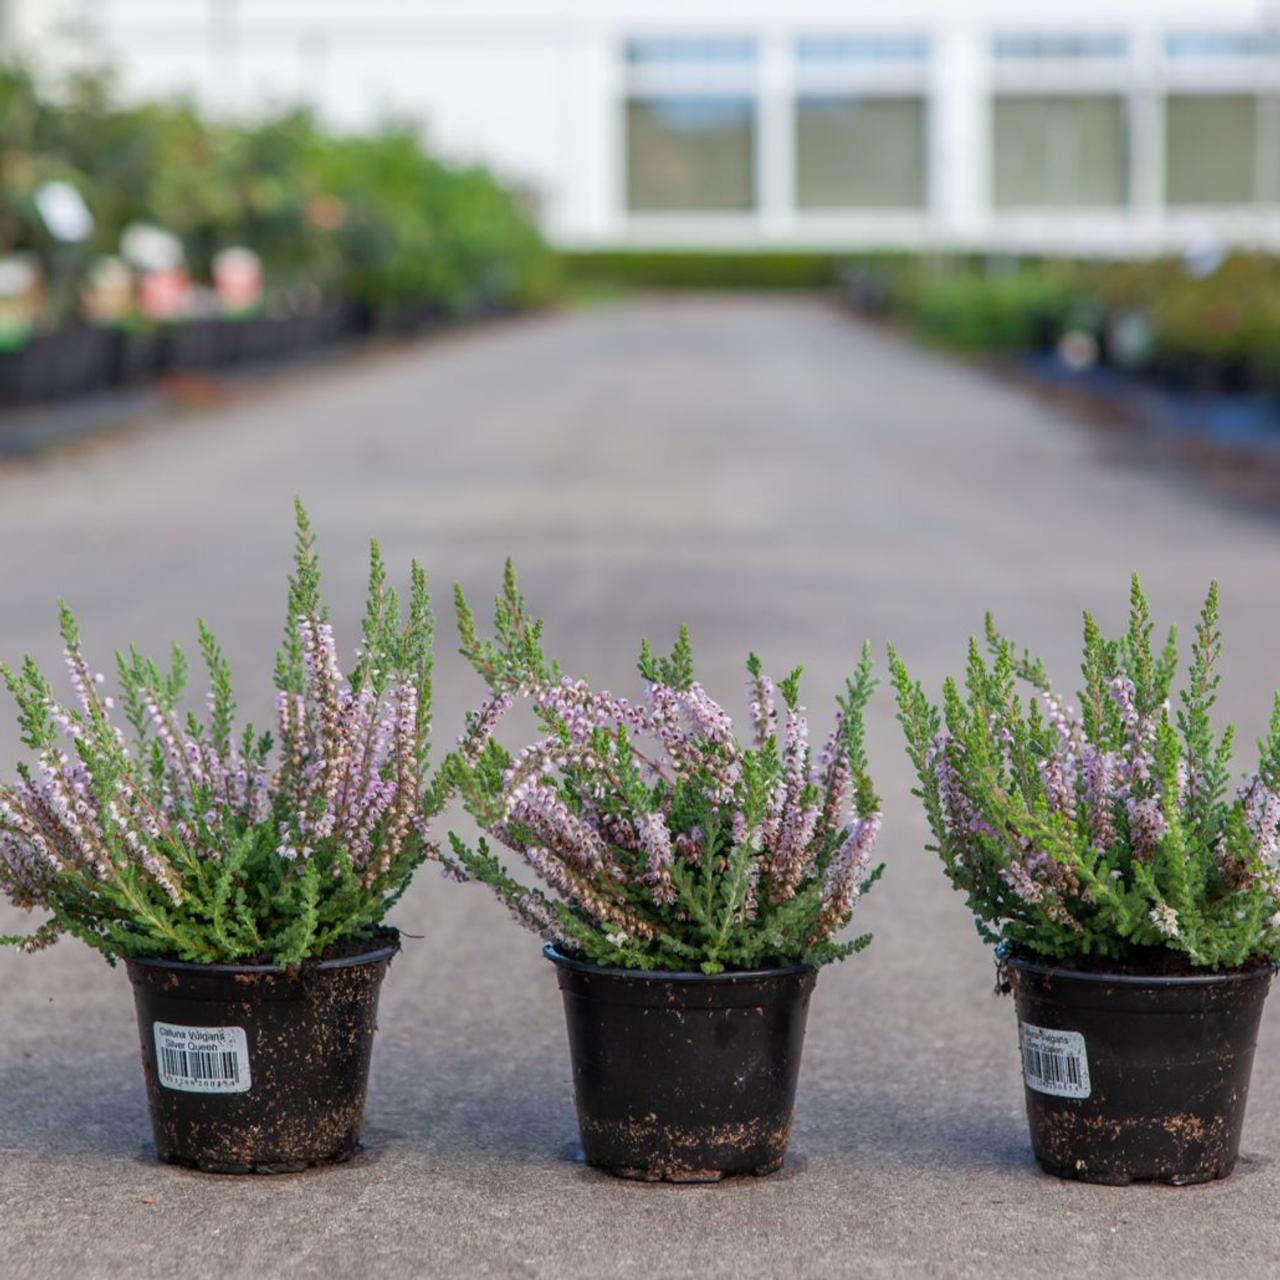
678,269
371,220
1210,320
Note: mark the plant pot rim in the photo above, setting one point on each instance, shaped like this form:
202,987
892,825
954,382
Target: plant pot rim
1047,969
386,945
690,976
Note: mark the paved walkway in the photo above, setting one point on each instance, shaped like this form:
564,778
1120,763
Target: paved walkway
783,480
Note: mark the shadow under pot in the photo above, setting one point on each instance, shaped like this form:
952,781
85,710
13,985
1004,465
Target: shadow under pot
1134,1078
256,1068
684,1077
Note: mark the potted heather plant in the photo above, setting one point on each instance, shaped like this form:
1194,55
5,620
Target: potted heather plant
1132,893
243,880
691,887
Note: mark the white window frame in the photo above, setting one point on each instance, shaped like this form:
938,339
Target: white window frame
688,80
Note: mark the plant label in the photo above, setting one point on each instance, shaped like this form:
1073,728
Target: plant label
1054,1062
202,1059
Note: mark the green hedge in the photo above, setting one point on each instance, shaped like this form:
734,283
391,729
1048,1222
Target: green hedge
654,269
1017,312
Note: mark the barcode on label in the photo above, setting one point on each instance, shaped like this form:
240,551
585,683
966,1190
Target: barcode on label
202,1059
200,1065
1054,1062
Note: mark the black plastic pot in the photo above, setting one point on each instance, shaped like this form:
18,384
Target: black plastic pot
84,360
200,345
40,363
136,356
406,319
1132,1078
684,1077
57,365
10,377
257,1069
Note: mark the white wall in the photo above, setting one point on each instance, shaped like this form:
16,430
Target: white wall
536,87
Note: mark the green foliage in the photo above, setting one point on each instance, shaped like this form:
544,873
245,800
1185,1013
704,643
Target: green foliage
199,841
702,270
1013,312
514,657
677,670
1106,834
1219,327
373,218
661,841
415,229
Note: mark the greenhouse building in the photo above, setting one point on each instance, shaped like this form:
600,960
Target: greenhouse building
1130,126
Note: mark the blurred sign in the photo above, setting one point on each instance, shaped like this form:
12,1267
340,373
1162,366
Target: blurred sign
1078,350
164,295
237,277
107,294
64,213
326,213
20,289
150,248
1131,339
1203,258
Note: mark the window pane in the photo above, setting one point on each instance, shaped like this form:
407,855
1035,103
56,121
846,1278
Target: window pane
859,153
1060,46
1060,152
679,52
1211,149
690,153
1221,44
842,49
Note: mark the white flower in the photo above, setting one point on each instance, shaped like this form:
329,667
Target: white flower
1165,918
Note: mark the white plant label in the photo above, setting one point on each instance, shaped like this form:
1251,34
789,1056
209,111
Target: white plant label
1054,1062
202,1059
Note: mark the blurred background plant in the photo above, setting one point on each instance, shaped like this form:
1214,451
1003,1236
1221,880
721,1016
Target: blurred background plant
371,220
1196,322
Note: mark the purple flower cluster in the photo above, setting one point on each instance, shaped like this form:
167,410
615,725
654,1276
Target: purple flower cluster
348,776
1107,796
349,762
764,714
617,850
1103,835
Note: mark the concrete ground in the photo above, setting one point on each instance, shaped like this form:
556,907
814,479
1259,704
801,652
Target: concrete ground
782,479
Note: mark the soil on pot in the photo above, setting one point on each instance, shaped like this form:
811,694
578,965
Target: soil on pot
308,1035
1133,1075
684,1077
690,1153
